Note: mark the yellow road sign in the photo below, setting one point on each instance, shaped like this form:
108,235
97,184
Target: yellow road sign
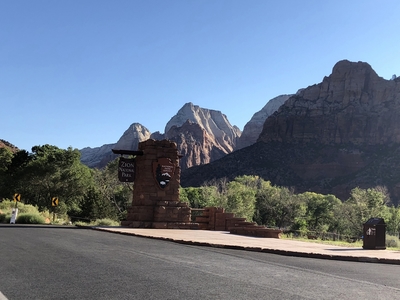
17,197
54,201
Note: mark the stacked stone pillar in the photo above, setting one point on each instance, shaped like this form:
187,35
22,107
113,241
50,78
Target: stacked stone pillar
154,206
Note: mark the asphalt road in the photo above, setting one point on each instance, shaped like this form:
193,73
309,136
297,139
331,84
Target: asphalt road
70,263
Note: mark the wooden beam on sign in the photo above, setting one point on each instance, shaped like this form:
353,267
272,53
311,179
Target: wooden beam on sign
127,152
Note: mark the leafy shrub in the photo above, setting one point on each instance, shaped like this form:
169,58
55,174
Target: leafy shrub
392,241
80,223
106,222
30,218
6,204
2,218
27,208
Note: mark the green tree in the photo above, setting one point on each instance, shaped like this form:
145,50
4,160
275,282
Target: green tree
193,196
241,197
119,194
53,172
320,211
5,161
277,206
13,172
393,221
362,205
237,196
95,206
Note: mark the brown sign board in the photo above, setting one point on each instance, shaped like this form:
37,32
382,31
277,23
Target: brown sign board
126,169
163,171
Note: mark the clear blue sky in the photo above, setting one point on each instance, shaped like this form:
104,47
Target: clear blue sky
79,73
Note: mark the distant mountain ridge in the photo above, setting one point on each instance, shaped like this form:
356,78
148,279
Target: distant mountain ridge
8,145
329,137
202,135
253,128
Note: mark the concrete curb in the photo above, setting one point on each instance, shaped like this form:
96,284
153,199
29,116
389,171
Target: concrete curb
264,250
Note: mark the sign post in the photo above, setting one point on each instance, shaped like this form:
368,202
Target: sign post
54,203
14,212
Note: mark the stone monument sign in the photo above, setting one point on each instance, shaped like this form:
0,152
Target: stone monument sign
155,201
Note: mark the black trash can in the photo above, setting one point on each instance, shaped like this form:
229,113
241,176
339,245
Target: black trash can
374,234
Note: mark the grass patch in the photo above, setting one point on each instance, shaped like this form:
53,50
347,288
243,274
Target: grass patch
392,242
326,242
99,222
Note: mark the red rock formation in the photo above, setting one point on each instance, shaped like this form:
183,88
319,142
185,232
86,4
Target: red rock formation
352,105
7,145
328,138
196,146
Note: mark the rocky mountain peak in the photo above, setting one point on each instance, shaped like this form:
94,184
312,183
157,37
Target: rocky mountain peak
202,135
214,123
352,105
132,137
253,128
98,157
328,138
188,111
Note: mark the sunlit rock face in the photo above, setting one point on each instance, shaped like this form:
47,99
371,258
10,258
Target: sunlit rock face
131,138
202,135
253,128
214,123
99,157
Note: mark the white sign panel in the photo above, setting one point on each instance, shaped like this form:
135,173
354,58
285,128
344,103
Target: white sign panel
14,215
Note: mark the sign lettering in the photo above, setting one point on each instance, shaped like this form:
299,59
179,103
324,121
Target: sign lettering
126,169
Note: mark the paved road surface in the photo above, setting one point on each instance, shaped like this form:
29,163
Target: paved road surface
60,263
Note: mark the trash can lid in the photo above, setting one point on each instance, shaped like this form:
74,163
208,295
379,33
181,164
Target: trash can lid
375,221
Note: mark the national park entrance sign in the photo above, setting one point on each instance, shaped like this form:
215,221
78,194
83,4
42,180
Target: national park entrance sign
155,201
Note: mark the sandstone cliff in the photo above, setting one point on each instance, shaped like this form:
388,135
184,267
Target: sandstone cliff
215,124
352,105
95,157
253,128
329,138
99,157
195,144
131,138
202,135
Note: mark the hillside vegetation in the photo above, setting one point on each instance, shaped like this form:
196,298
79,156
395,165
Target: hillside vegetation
84,194
88,194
